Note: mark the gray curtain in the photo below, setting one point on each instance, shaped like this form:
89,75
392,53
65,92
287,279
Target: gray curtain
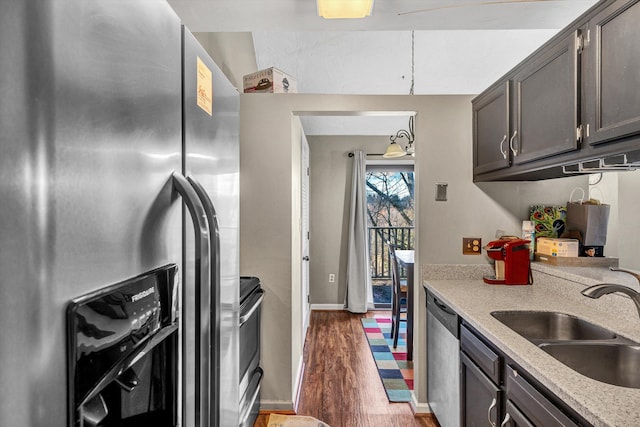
358,277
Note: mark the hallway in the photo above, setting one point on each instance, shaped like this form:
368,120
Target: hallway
341,385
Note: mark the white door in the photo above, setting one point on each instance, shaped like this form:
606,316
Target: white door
304,189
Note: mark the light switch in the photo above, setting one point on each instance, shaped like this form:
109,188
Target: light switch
441,191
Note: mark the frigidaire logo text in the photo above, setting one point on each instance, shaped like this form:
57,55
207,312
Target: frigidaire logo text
142,294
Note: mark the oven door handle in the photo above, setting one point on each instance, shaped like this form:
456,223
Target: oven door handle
254,303
201,303
255,384
128,361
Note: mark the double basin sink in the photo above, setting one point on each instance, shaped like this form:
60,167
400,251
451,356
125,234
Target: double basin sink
589,349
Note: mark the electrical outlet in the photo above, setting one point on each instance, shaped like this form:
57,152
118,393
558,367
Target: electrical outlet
471,246
332,278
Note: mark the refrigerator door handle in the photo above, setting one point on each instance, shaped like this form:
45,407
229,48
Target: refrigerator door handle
214,232
202,299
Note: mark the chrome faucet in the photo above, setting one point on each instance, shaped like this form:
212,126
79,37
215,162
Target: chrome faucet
597,291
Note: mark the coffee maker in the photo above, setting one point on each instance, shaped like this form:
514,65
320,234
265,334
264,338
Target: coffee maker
511,262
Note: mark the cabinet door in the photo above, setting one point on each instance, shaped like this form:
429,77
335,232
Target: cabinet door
546,104
481,398
491,130
612,98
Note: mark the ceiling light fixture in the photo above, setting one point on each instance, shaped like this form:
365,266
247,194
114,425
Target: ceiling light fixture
344,9
394,150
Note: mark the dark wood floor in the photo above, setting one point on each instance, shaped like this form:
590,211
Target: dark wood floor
341,385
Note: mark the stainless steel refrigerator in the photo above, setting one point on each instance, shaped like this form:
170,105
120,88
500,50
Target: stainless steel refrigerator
104,127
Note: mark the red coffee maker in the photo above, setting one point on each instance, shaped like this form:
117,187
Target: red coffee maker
511,262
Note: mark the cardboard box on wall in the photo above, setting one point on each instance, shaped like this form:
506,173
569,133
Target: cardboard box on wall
557,247
269,80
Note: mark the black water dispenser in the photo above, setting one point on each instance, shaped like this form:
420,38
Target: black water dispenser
123,353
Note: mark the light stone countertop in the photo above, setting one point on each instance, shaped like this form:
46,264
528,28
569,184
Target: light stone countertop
554,289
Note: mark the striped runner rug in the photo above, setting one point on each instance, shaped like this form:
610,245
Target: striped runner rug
396,372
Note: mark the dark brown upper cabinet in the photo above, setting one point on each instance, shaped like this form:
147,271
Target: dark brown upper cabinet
532,114
612,73
546,103
491,129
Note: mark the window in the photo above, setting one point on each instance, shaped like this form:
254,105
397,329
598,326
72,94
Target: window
390,211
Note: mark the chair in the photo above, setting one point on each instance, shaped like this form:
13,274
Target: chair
399,294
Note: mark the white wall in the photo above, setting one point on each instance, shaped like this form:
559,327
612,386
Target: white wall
265,233
626,233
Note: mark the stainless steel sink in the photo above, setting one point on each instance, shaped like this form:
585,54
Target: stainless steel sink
545,326
589,349
610,363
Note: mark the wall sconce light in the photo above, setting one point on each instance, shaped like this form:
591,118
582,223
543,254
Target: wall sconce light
344,9
395,150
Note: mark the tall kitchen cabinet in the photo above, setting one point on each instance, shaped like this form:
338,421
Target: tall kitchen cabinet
573,100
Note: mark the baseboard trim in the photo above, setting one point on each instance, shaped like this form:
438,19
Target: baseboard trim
278,406
298,384
420,408
327,307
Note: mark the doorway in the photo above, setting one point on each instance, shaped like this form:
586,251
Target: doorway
390,217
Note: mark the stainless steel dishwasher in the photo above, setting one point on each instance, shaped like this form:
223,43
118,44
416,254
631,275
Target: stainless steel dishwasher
443,362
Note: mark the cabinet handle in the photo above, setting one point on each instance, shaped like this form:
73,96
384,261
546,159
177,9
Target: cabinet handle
504,152
493,405
507,418
513,150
